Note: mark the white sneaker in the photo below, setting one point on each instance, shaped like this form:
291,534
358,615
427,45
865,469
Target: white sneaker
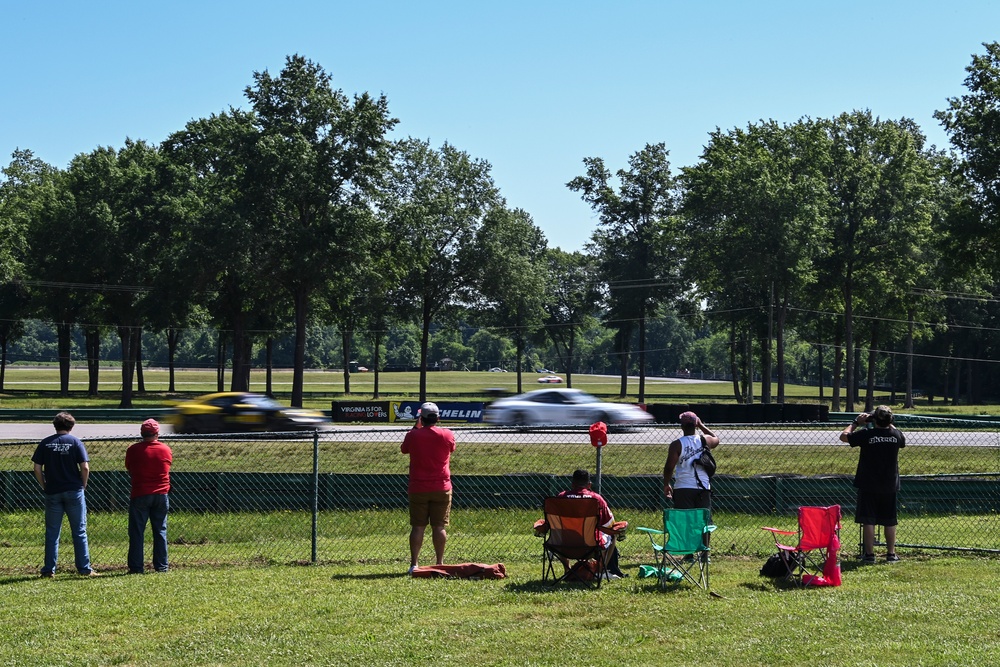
607,576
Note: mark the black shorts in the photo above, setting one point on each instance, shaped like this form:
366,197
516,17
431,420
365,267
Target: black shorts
686,499
876,509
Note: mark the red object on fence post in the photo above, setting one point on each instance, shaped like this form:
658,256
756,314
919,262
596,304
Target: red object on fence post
598,434
598,438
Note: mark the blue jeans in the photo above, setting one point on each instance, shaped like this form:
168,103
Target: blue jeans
152,508
74,505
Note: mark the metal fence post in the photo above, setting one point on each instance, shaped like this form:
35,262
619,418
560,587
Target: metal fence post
315,494
597,475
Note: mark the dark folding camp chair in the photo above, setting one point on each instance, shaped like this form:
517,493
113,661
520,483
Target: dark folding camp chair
679,549
570,529
814,558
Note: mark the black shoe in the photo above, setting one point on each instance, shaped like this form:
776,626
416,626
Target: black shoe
868,558
892,558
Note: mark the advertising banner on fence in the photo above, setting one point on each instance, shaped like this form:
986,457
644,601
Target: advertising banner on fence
406,411
360,411
402,411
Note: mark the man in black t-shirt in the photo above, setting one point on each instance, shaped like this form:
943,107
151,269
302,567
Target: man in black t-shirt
877,477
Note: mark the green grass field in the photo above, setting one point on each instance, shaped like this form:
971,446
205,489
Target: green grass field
220,605
33,387
926,612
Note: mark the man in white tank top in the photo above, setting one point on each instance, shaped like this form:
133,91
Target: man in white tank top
684,481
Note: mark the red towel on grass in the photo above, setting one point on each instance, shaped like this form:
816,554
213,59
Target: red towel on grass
462,571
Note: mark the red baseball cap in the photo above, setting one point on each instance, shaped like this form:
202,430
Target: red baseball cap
149,427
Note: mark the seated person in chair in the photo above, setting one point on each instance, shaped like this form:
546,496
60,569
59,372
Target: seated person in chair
581,489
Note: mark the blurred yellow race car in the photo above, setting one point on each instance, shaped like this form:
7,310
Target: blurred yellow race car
241,412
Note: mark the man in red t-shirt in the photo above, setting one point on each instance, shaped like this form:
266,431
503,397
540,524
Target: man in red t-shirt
148,463
430,448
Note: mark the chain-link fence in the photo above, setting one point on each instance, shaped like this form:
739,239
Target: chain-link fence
341,495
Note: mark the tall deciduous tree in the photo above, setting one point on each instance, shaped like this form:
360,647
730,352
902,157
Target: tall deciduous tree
879,184
636,242
571,304
442,198
320,158
62,283
512,248
19,203
972,122
754,207
220,232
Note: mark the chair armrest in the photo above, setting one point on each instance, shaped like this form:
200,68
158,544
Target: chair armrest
778,531
650,531
617,529
709,529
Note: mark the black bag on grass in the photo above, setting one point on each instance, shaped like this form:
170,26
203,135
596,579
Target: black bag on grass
780,564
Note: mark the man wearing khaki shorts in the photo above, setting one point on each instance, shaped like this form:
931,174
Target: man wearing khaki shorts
430,448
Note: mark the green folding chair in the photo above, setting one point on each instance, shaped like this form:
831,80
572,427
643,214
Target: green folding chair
679,549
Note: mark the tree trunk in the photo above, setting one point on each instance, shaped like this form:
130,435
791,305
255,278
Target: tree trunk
570,350
127,338
642,355
849,379
269,363
173,337
819,356
140,380
92,335
239,380
64,331
958,375
220,363
782,318
909,362
838,362
734,369
425,336
345,346
766,361
301,299
623,348
872,358
519,346
378,360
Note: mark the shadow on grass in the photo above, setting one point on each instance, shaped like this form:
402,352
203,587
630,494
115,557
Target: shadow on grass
17,579
380,575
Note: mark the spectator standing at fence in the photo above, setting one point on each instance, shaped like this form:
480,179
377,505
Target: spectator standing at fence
148,464
684,480
62,468
430,448
877,477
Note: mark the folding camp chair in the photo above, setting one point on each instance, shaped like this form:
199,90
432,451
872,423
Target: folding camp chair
814,559
570,529
681,552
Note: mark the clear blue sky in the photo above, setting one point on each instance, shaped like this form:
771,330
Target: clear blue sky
531,87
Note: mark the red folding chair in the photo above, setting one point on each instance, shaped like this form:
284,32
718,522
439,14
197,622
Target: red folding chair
814,559
570,530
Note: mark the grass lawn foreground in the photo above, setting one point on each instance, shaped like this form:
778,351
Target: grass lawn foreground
922,611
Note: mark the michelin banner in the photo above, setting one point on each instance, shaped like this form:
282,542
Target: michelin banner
402,411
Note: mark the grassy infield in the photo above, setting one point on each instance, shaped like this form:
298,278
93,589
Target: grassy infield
924,611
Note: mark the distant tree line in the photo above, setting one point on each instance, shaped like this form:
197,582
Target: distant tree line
843,251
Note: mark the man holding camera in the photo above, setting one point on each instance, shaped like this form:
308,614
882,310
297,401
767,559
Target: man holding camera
877,477
430,448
